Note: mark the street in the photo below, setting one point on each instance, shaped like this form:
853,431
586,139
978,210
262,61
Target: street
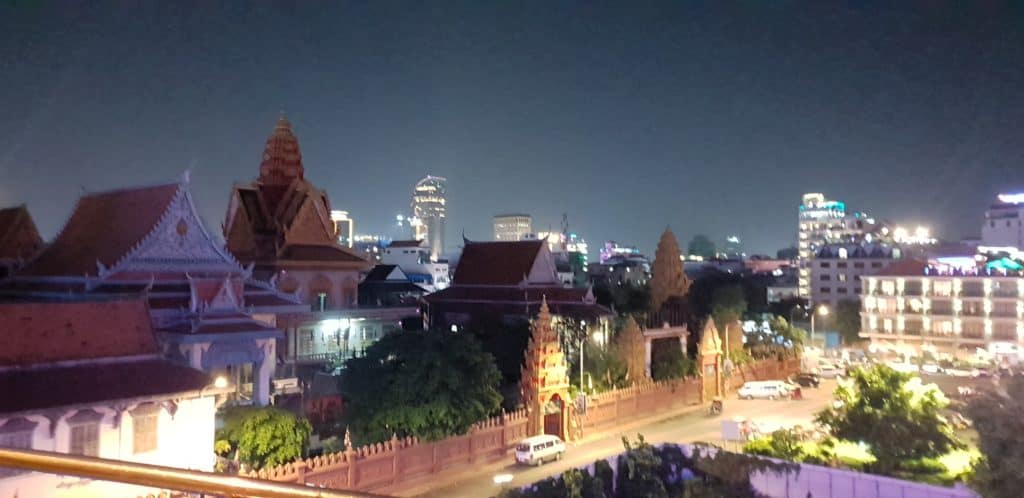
686,428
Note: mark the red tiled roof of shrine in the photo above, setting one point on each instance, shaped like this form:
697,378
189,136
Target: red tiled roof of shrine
282,160
19,237
496,263
35,389
53,331
104,227
326,253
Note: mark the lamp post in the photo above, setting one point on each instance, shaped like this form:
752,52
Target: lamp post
583,339
820,310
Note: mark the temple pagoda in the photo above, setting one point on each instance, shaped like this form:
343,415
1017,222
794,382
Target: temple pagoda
545,382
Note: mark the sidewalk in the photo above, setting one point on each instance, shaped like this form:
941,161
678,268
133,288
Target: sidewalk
445,480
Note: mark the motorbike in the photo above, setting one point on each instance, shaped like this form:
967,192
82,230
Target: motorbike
716,407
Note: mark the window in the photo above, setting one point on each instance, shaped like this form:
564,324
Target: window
841,277
825,278
841,290
876,264
826,290
858,265
85,439
825,264
16,433
841,265
144,427
85,433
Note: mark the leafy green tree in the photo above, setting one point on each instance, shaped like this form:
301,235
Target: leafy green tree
506,342
728,304
894,414
782,444
701,245
847,320
425,384
997,418
669,362
263,436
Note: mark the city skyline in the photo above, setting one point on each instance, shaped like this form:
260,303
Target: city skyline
528,112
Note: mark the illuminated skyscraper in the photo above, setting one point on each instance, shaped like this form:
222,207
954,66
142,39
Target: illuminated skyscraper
428,213
821,222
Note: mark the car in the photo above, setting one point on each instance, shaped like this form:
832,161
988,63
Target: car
807,379
931,368
538,449
830,372
959,372
768,389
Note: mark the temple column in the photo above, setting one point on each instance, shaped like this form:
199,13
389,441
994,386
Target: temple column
263,370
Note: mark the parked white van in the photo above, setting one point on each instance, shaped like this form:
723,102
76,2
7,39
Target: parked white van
768,389
538,449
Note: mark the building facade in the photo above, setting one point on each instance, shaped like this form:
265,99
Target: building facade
429,208
511,227
414,258
822,221
837,270
947,307
86,377
1002,229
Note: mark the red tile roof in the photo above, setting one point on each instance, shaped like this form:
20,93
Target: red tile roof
104,227
36,389
904,267
496,263
46,332
19,238
325,253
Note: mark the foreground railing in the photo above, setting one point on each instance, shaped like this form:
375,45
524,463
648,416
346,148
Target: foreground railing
162,477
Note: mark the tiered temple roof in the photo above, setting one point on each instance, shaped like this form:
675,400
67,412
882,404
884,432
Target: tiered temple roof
281,219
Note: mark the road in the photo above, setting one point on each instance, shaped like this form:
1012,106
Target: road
681,429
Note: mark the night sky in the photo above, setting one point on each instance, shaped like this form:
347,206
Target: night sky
627,116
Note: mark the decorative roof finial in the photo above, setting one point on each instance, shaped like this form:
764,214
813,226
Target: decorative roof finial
348,440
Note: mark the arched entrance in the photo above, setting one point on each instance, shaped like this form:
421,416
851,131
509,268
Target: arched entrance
555,417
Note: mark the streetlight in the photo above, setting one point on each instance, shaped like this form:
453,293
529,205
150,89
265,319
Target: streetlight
821,310
583,338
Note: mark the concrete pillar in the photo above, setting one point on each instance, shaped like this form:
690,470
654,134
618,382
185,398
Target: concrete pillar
263,371
647,356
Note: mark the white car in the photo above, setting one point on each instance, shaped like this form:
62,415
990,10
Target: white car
769,389
538,449
959,372
931,368
830,371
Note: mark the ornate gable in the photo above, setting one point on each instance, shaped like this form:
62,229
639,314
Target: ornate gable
179,242
710,341
308,226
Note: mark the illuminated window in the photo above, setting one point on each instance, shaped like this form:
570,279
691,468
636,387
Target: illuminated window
889,287
321,301
16,433
843,254
85,439
887,325
841,277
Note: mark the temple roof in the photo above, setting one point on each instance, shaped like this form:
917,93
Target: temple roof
44,332
311,252
282,161
103,227
19,237
502,263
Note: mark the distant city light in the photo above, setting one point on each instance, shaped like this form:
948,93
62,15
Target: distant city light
920,236
1016,198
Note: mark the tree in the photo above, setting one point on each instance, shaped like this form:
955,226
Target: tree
426,384
506,342
630,349
848,320
639,471
701,245
894,414
997,418
263,436
669,362
667,276
787,253
727,305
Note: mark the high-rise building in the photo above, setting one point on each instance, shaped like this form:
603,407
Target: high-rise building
344,227
822,221
511,227
428,213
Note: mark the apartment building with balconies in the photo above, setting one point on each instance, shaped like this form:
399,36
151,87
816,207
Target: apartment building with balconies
947,307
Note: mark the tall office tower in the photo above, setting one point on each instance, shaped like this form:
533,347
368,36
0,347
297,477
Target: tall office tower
428,213
344,226
512,227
